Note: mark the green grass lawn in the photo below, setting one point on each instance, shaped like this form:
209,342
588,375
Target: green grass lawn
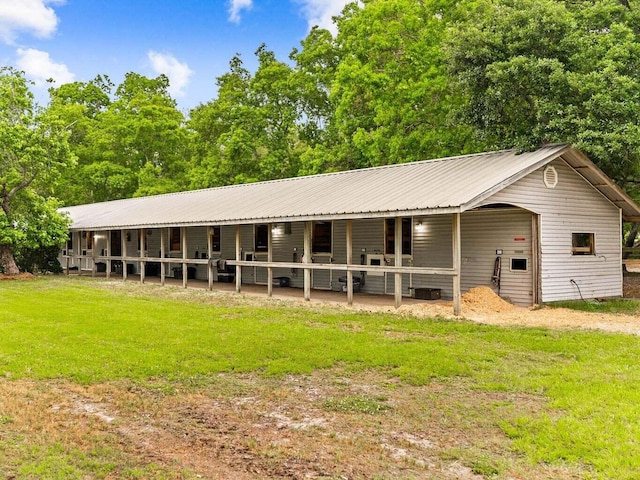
82,331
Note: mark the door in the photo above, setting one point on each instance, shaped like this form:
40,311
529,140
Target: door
116,243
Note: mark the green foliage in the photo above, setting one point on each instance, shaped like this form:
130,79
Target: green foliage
129,142
621,305
250,132
391,90
356,404
547,71
34,150
39,260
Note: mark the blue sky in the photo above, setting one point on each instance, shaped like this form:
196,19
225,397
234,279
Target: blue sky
191,41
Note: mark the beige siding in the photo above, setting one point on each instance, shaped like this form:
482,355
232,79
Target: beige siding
572,206
432,247
483,232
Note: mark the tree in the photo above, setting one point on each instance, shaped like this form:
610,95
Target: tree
129,142
33,151
251,131
391,90
539,71
79,105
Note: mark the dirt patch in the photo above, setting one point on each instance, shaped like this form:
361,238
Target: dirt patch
482,305
631,288
20,276
249,427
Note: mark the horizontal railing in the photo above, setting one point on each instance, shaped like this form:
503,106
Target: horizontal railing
290,265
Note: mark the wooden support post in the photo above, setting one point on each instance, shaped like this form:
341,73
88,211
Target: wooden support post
269,259
108,272
306,256
123,237
184,243
93,253
163,266
349,262
209,254
238,258
457,262
397,242
143,246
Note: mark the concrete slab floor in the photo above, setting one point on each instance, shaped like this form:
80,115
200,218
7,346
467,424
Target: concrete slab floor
360,300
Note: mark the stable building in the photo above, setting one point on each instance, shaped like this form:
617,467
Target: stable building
536,227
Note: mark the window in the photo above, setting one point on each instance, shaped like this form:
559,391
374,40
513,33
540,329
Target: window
390,236
582,244
321,239
116,243
518,264
261,235
216,240
174,239
89,238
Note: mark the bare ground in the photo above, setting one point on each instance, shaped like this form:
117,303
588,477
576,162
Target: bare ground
248,427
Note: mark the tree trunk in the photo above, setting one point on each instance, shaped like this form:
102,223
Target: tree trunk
631,238
7,260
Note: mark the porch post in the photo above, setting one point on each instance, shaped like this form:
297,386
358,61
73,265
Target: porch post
183,240
269,259
209,253
307,259
108,254
349,262
143,244
535,254
163,265
457,262
397,243
238,258
93,252
123,237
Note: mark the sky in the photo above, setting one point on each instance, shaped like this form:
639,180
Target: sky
190,41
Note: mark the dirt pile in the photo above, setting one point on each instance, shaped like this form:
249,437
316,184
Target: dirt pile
485,300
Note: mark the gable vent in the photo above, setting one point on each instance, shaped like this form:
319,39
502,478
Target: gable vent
550,176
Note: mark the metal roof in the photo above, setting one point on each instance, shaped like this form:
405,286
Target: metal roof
446,185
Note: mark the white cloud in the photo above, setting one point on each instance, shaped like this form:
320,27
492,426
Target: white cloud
32,16
235,6
178,73
39,67
321,12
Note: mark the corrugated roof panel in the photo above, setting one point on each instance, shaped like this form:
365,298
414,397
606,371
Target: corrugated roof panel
427,186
